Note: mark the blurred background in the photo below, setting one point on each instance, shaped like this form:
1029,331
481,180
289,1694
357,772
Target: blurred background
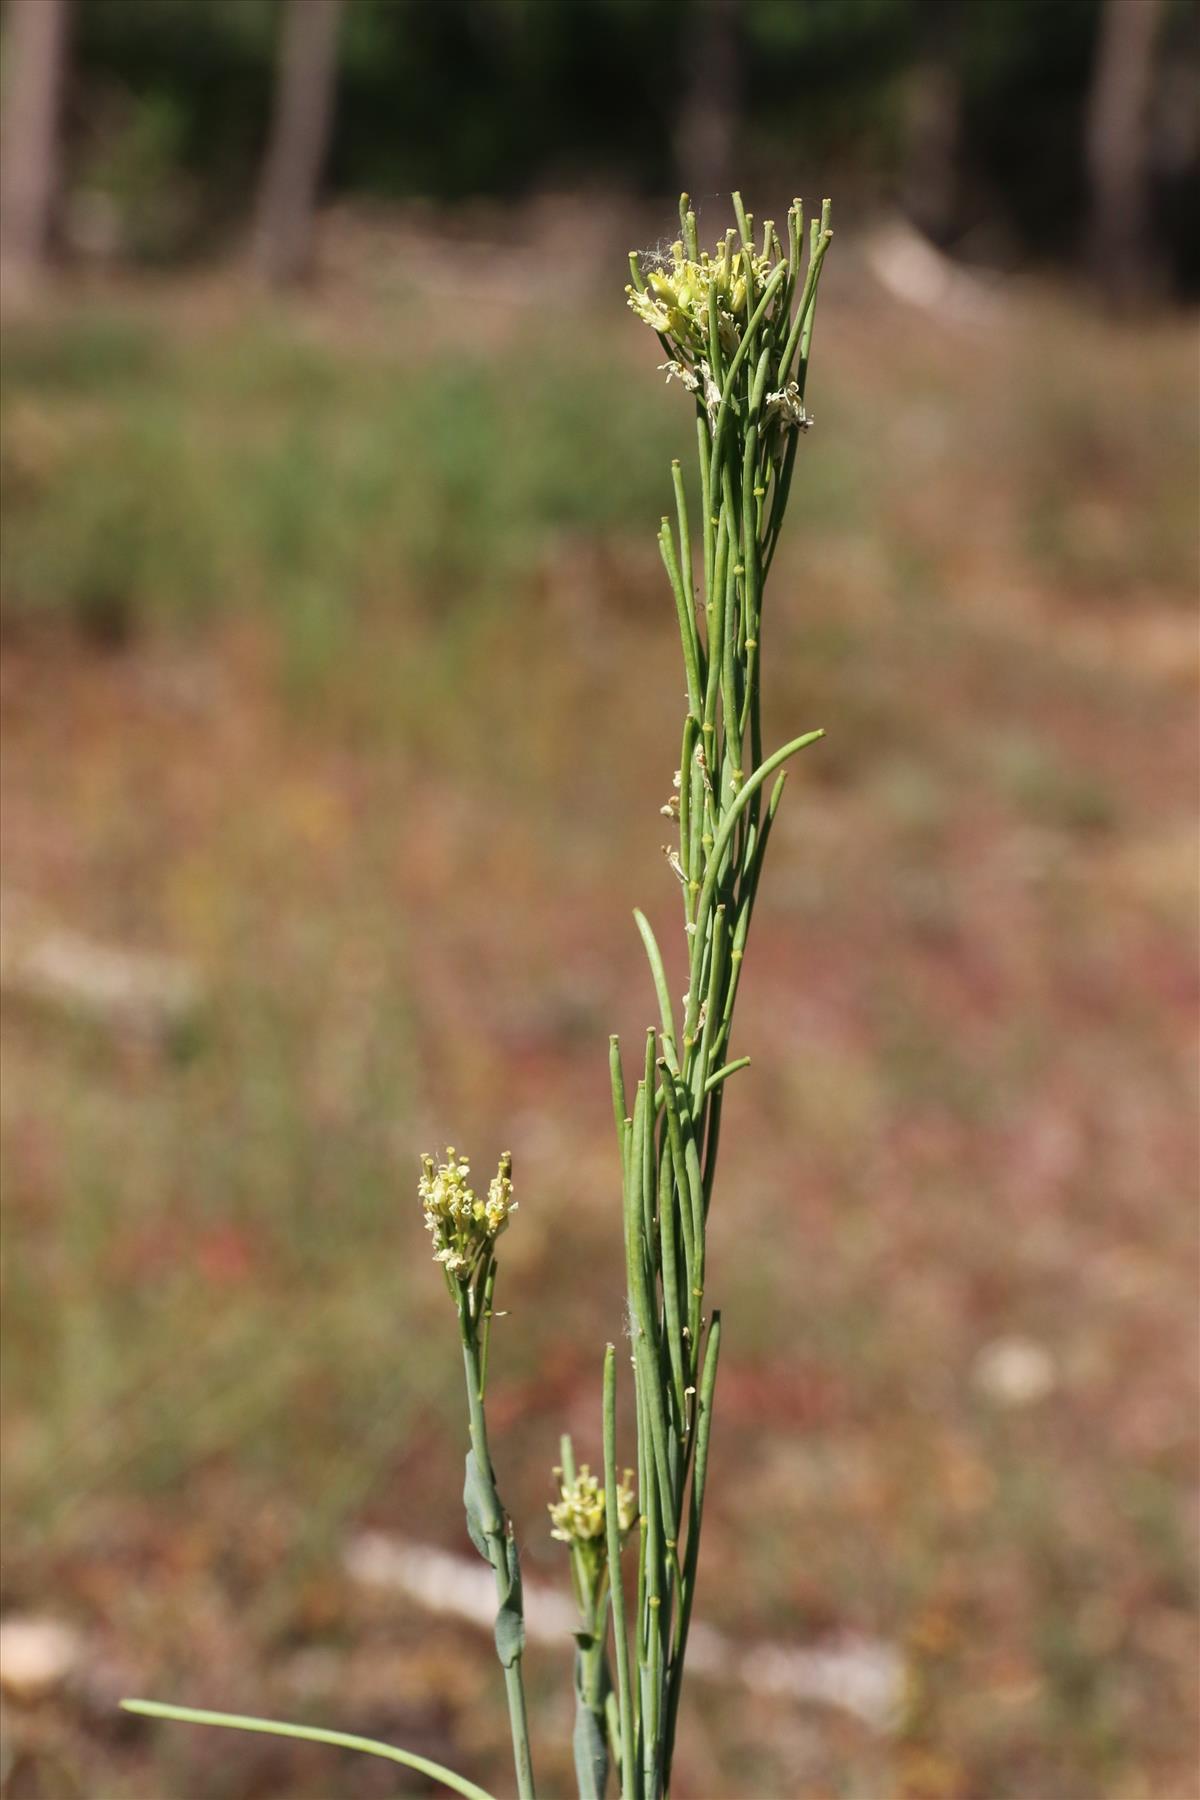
340,697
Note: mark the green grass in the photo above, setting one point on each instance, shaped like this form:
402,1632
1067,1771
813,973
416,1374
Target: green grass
153,481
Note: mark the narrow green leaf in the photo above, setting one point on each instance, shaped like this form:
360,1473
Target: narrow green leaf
339,1740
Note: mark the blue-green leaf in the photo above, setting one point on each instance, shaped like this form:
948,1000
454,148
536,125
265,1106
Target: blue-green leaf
478,1499
591,1753
510,1620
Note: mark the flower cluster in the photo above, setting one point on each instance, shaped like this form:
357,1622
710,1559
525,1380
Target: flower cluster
578,1515
464,1227
676,299
701,307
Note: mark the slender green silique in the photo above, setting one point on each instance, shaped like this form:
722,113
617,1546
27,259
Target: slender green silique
736,327
612,1534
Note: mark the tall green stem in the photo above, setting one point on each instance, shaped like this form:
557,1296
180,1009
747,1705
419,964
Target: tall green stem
498,1536
737,326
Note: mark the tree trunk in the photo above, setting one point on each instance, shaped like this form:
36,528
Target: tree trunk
35,38
930,167
300,129
929,185
707,128
1117,140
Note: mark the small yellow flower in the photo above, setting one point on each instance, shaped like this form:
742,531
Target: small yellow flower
463,1227
663,291
675,301
626,1503
578,1515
